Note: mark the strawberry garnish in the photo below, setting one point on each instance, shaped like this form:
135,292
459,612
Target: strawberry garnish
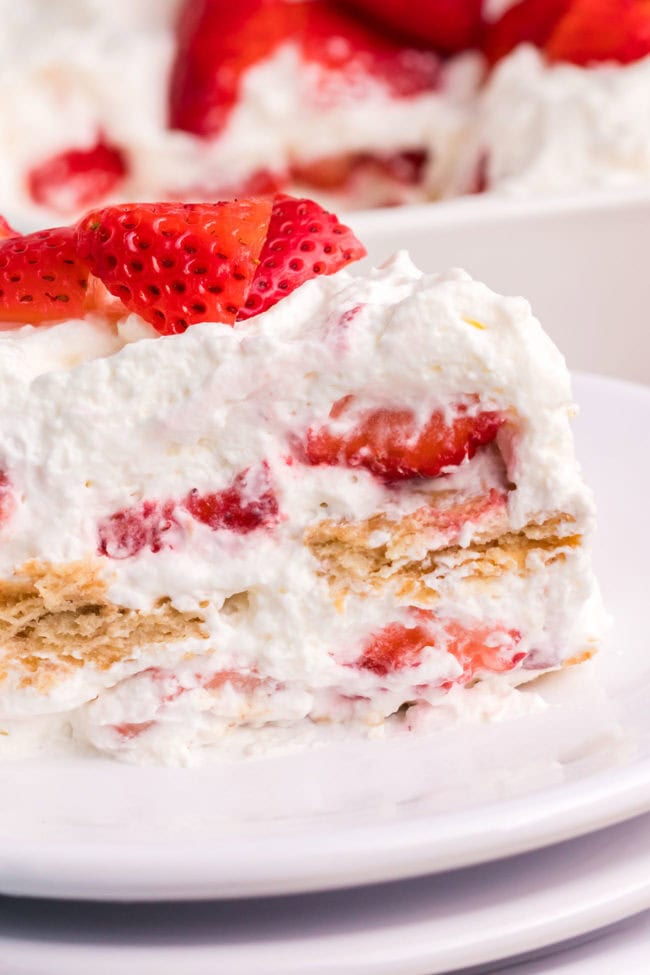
303,241
448,25
77,178
594,31
481,648
529,21
218,42
389,443
176,264
248,504
42,277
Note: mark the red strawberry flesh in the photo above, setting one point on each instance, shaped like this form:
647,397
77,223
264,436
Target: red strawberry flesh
248,504
217,43
448,25
389,444
303,241
77,178
176,264
131,530
479,648
595,31
6,230
42,277
529,21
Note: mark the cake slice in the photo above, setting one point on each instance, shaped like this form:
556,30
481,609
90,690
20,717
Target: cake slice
567,104
334,506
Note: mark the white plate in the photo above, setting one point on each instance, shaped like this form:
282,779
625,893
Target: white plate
417,927
364,811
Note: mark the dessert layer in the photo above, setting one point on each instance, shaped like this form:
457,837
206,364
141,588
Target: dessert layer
549,128
364,497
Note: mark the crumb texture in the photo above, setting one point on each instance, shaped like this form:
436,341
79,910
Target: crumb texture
54,618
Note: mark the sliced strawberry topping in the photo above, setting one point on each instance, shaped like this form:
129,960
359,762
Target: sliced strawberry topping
176,264
217,43
389,443
147,525
529,21
480,648
249,503
303,241
449,25
593,31
77,178
6,231
42,278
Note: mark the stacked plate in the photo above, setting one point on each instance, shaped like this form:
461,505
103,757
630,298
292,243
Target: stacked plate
460,848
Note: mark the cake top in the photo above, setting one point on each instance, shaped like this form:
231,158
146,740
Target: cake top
174,264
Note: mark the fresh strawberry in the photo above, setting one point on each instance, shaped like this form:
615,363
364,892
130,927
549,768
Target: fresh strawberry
480,648
176,264
594,31
6,231
249,503
448,25
131,530
334,172
77,178
42,277
529,21
388,443
218,42
396,647
303,241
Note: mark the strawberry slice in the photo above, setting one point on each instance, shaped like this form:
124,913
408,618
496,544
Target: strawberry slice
77,178
5,230
176,264
448,25
529,21
303,241
594,31
217,43
248,504
129,531
389,444
481,648
42,277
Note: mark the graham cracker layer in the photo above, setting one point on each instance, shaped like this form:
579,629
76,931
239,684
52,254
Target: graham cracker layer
367,556
54,618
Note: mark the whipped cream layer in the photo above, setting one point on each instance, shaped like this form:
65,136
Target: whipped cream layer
100,419
542,128
95,68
